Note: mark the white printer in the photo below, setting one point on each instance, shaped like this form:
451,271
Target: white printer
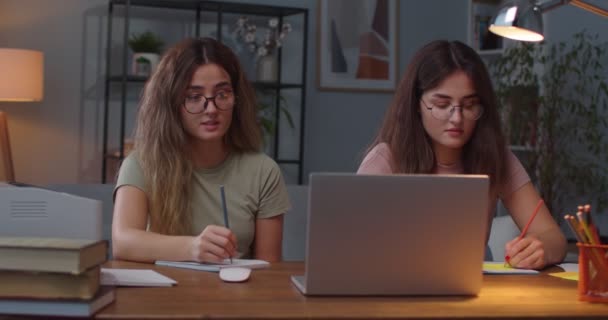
28,211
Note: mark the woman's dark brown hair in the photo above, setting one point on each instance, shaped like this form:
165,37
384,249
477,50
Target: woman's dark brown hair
402,129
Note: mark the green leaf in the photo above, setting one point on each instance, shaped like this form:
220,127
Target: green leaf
145,42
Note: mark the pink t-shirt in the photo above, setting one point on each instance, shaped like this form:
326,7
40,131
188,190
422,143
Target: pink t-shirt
380,161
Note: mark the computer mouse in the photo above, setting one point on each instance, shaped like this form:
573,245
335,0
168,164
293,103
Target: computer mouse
235,274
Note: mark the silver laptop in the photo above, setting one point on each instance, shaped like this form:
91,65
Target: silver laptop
395,235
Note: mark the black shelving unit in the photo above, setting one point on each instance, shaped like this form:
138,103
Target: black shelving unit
219,8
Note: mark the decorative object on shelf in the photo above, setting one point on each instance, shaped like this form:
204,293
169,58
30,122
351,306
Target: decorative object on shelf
21,80
266,48
146,53
267,68
357,50
566,86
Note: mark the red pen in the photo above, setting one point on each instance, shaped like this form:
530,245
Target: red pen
523,232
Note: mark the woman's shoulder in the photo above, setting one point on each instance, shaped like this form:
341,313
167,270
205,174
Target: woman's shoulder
131,172
131,161
381,148
132,156
382,151
516,176
256,157
514,165
378,160
255,167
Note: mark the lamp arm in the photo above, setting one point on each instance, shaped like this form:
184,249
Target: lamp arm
589,7
552,4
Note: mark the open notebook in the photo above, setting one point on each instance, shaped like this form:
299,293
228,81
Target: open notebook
247,263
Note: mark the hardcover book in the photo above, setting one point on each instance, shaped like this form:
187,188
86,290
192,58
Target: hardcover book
58,307
51,254
47,285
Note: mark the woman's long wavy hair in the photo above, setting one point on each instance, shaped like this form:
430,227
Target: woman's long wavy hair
402,129
161,142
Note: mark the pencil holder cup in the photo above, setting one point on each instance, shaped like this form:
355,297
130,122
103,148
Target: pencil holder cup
592,272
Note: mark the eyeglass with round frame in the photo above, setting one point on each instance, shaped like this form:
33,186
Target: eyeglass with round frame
469,112
198,103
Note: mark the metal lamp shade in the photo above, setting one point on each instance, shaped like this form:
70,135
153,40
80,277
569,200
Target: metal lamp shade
519,22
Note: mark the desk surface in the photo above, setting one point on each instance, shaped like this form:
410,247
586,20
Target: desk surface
269,294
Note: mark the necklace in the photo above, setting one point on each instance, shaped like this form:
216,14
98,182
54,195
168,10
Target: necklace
447,166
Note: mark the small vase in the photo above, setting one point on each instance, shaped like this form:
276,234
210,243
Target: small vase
267,69
144,64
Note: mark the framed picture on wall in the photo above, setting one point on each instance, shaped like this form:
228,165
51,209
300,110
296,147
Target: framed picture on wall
357,45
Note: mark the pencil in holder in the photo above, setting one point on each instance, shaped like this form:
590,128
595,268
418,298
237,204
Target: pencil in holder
593,272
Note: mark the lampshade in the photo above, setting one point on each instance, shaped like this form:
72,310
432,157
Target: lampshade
519,22
21,75
522,19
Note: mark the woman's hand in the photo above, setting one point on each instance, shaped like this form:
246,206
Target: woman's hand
526,253
213,245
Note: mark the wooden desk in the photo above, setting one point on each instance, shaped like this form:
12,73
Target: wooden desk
269,294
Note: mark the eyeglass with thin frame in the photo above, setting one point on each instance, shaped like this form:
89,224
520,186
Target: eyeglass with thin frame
196,102
444,111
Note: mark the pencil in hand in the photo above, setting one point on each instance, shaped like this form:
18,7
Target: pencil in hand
226,224
525,230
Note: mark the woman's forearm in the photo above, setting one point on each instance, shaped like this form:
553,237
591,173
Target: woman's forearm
144,246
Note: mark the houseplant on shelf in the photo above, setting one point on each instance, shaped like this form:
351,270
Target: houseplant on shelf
146,49
561,92
266,113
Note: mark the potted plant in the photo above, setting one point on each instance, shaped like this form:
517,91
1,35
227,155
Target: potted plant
267,114
146,49
562,90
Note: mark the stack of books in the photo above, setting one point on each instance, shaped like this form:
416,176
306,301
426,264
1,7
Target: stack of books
52,276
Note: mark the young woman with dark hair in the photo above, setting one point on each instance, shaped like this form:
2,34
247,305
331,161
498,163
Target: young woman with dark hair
444,120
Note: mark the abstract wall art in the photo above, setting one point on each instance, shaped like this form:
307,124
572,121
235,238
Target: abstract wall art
357,45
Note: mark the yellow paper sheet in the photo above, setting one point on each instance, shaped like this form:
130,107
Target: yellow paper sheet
500,268
568,275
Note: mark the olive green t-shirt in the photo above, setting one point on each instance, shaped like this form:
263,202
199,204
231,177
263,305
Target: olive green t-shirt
253,186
